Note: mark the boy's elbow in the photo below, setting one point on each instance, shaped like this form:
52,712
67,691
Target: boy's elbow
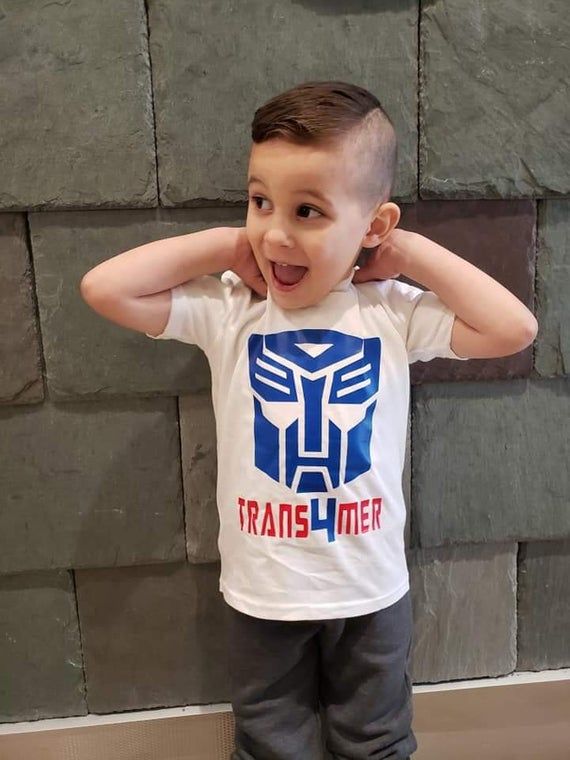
516,341
85,286
90,287
91,295
99,299
533,329
529,332
525,338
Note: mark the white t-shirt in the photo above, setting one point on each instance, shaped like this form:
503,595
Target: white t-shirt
311,411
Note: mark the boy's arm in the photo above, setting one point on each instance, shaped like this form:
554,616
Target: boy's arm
132,289
490,321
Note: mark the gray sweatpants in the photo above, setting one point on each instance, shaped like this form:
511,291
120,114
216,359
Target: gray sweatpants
298,684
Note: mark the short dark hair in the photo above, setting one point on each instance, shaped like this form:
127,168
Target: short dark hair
327,113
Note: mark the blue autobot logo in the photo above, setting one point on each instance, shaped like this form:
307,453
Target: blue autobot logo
314,392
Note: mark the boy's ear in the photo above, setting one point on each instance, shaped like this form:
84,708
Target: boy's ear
386,218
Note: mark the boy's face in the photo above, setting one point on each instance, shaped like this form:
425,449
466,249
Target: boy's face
320,238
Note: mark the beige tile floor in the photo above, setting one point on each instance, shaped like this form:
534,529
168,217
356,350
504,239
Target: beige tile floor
519,722
528,721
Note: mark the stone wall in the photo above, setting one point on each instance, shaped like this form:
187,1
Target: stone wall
125,122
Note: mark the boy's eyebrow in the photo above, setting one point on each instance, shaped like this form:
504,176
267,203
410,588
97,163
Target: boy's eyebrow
307,190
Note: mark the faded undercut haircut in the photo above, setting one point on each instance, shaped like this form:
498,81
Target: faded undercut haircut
328,113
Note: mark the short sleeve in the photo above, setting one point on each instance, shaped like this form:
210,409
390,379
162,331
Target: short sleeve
197,312
425,320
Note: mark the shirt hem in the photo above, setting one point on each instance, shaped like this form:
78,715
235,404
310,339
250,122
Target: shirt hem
313,611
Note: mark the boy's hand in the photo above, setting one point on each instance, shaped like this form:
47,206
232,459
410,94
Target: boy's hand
386,261
245,265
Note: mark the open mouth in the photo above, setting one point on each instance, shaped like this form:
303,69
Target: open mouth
287,276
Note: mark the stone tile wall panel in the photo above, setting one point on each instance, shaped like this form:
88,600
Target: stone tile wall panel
199,469
490,461
464,601
87,355
494,107
153,636
552,355
544,605
20,344
497,237
76,107
212,69
41,664
90,485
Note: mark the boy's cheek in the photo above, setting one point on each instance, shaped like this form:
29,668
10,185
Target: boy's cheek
249,232
259,262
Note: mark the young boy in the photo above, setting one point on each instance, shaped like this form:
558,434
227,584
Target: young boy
310,386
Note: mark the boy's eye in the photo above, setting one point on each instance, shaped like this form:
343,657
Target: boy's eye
256,198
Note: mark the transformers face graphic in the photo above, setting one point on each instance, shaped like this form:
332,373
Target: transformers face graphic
314,394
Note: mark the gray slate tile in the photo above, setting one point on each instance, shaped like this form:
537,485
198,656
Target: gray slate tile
552,356
464,603
76,106
20,351
41,665
544,605
495,112
490,461
496,236
153,636
90,485
212,70
86,355
199,470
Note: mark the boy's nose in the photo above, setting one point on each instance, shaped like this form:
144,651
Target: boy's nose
278,236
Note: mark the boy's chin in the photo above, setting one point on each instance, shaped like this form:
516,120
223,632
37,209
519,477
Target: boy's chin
302,301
